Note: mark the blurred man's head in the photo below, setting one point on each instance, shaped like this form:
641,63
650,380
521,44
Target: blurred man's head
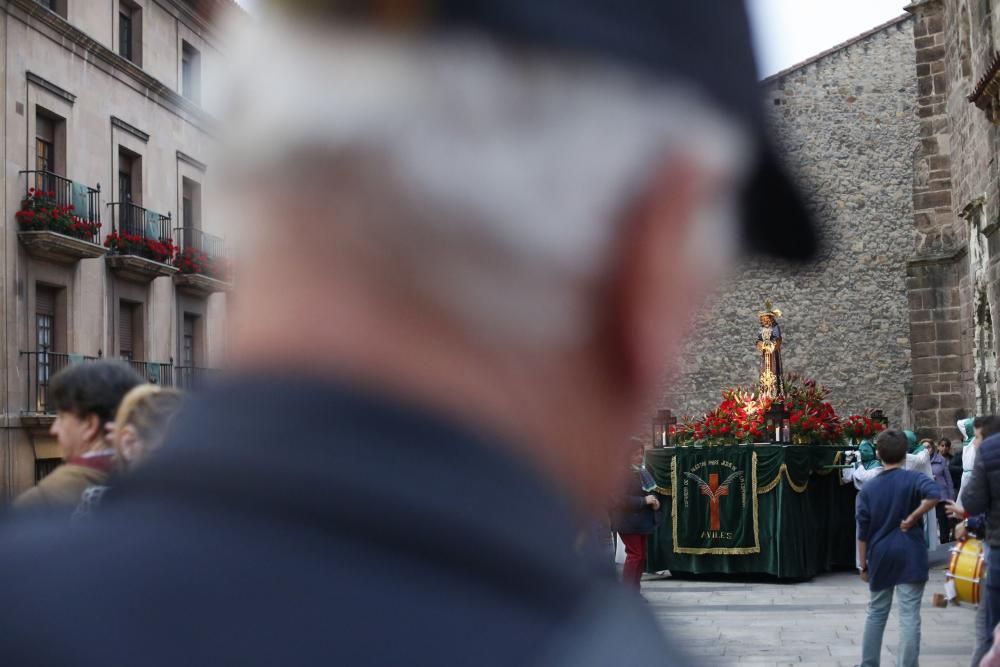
509,234
86,396
984,427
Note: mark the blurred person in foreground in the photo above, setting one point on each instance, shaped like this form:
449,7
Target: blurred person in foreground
85,396
975,526
470,228
140,427
980,495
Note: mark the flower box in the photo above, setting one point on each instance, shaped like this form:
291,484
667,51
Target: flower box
57,247
197,284
139,269
40,211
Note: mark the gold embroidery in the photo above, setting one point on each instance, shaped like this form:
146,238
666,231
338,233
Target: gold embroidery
783,470
721,551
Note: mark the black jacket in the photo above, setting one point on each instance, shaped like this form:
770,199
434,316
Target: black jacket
631,514
982,492
955,468
302,523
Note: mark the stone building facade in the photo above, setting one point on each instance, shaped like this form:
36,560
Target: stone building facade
952,278
104,109
846,123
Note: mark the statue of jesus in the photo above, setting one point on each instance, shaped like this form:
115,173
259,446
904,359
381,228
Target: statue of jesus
770,383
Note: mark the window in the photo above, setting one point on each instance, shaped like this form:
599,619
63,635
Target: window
130,215
45,143
50,137
190,213
129,330
126,164
190,72
49,340
43,467
188,342
130,32
45,327
57,6
125,32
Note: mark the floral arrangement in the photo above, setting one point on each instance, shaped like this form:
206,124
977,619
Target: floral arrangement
812,417
861,427
158,250
742,417
41,212
192,260
739,418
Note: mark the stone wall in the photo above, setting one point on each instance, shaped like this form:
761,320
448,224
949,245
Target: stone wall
952,279
846,122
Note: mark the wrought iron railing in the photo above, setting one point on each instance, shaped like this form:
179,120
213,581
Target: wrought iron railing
134,220
210,244
42,366
154,373
200,252
45,189
192,377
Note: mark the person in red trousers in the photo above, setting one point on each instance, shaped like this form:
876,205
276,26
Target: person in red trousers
634,516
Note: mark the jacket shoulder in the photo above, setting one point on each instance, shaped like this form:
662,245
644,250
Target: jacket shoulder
63,486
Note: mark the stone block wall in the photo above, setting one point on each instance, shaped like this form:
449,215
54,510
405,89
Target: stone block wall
952,276
846,122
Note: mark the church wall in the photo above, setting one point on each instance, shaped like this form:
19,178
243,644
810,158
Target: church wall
846,123
953,273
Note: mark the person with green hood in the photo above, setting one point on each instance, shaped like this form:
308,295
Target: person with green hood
970,441
866,466
918,456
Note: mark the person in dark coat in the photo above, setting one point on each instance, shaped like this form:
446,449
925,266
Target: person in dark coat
982,496
467,232
636,514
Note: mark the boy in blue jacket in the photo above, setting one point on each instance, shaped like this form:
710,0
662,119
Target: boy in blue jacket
891,547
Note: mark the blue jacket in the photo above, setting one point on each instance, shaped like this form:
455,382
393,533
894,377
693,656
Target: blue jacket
295,522
894,556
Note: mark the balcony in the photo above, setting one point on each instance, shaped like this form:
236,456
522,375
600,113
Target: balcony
203,261
190,378
153,373
140,244
59,219
42,366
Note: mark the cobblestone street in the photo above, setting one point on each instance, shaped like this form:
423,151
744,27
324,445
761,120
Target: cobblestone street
813,623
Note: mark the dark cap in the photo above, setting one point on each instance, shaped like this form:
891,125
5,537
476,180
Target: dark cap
704,43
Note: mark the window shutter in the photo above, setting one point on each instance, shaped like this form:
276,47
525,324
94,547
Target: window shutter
45,301
45,129
125,317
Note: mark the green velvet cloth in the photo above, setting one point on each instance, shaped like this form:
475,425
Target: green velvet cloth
805,515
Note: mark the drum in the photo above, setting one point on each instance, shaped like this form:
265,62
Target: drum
967,570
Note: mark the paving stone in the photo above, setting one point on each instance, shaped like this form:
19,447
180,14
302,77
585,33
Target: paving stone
819,622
